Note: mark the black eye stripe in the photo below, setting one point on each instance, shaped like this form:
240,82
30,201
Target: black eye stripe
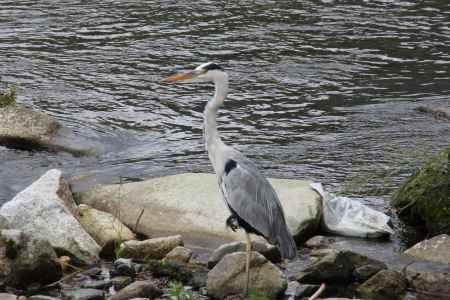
212,66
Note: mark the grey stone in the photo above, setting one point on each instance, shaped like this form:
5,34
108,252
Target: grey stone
296,290
25,260
124,266
319,241
436,249
42,297
97,284
156,248
179,254
228,276
336,266
191,205
119,282
83,294
270,252
386,284
364,272
138,289
6,296
429,278
46,210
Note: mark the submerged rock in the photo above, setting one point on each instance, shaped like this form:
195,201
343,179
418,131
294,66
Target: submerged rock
337,267
228,276
25,260
150,249
106,229
269,251
436,249
138,289
191,205
385,285
27,129
45,210
424,197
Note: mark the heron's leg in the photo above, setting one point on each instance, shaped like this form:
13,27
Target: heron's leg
247,261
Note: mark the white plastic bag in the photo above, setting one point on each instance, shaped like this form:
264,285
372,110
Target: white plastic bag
347,217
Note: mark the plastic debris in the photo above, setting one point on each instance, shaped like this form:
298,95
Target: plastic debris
348,217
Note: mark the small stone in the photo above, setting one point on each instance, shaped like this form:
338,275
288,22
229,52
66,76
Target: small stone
435,249
6,296
386,284
97,284
228,277
150,249
124,266
93,271
296,290
42,297
83,294
119,282
179,254
319,241
138,289
270,252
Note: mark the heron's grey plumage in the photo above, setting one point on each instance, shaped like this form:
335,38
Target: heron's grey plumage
245,190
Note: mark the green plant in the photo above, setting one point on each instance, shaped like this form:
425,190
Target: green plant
256,295
178,292
8,96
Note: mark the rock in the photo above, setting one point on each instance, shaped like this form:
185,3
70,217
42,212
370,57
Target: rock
436,249
438,112
25,260
83,294
269,251
179,254
42,297
424,197
106,229
319,241
191,205
138,289
429,279
97,284
150,249
124,267
363,273
24,128
6,296
228,276
386,284
46,210
296,290
337,267
119,282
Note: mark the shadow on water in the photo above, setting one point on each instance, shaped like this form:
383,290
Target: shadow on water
320,90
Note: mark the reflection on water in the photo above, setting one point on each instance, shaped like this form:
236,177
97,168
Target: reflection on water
319,89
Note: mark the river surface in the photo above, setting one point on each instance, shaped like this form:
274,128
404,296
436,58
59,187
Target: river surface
320,90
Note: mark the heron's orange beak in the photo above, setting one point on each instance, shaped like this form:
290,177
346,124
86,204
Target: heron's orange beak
180,76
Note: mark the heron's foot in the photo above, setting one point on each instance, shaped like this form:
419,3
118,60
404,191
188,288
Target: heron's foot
233,223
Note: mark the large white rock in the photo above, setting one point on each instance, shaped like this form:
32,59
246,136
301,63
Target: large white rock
46,210
191,205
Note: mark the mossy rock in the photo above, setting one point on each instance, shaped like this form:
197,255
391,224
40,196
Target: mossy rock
424,199
8,97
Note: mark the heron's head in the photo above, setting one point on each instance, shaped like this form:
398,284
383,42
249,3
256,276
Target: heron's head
205,72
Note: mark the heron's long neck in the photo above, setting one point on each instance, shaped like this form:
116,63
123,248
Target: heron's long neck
212,138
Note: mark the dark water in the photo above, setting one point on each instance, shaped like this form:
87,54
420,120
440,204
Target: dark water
320,90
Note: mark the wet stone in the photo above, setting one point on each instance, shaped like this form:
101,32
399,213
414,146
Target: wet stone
124,267
42,297
386,284
296,290
83,294
120,282
97,284
363,273
319,241
138,289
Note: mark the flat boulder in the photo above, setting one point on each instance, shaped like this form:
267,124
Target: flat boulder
25,260
191,205
156,248
436,249
46,210
228,277
24,128
386,284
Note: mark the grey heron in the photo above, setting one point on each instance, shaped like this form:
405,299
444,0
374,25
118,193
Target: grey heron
250,198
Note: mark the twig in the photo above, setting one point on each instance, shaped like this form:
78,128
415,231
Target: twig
318,292
65,278
138,219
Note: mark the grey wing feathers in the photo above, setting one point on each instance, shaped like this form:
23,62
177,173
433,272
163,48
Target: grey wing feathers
252,197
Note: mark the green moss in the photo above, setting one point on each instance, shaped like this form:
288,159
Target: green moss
425,197
8,96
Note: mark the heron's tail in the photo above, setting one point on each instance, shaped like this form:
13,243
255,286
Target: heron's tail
286,244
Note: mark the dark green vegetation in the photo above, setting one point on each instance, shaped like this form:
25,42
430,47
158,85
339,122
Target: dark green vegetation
8,96
424,199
